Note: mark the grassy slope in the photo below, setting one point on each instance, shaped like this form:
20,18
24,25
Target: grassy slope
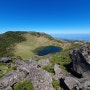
24,49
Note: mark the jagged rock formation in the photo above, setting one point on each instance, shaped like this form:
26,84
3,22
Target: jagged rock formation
40,78
81,60
58,72
9,79
81,65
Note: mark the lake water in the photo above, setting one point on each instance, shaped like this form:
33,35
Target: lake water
45,50
84,37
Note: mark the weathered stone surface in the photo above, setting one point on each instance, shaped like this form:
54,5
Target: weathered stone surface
5,59
70,83
8,88
43,62
11,78
84,83
58,72
81,65
22,66
40,78
81,60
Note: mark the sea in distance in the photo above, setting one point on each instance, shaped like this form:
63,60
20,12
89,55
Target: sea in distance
73,37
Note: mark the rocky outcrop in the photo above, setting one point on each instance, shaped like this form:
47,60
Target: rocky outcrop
40,78
80,65
7,88
5,59
11,78
43,62
70,83
81,61
58,72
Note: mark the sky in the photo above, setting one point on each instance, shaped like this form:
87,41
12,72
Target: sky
50,16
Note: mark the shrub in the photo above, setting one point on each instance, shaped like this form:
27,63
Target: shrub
14,68
25,85
49,68
56,85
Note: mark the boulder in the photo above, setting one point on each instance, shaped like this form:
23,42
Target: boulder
58,72
5,59
43,62
22,66
7,88
80,65
11,78
81,60
85,83
40,78
70,83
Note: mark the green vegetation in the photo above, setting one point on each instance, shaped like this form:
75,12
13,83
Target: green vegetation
25,85
7,41
49,69
56,85
14,68
38,34
33,41
22,44
5,68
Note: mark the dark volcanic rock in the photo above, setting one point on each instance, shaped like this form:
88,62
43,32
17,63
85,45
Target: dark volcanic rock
5,59
81,60
80,65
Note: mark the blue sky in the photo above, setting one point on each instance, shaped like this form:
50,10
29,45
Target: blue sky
50,16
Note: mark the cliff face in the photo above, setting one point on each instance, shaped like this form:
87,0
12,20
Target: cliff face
81,65
81,60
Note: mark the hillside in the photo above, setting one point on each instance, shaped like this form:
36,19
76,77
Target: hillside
21,45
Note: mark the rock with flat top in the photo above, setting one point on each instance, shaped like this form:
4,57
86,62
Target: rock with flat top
58,72
11,78
40,78
70,83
